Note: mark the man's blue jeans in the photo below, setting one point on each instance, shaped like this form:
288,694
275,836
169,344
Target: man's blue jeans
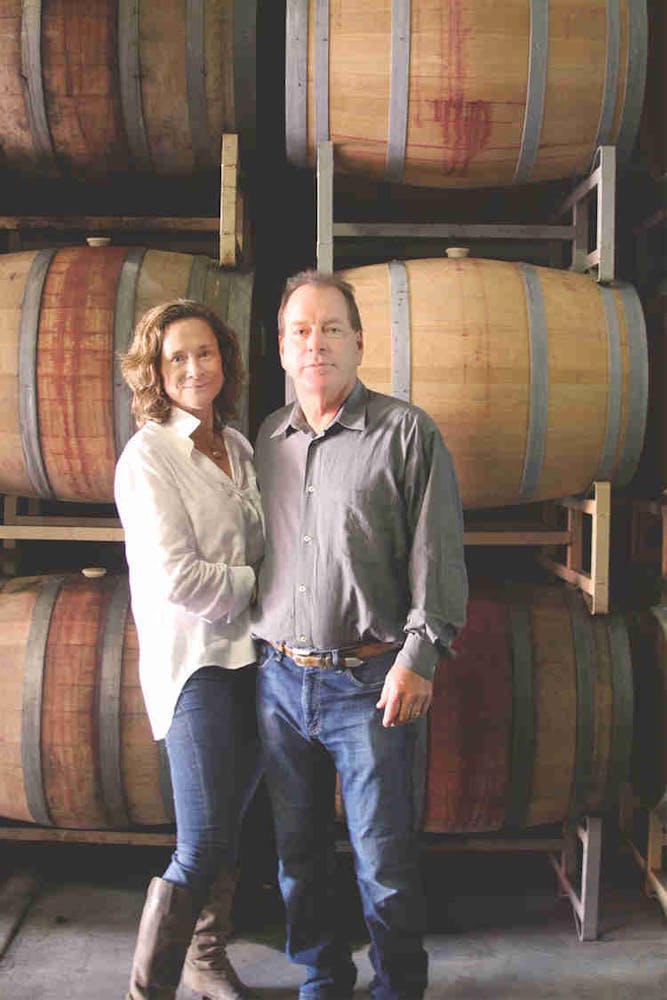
213,751
308,719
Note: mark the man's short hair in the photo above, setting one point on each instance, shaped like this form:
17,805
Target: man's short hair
320,280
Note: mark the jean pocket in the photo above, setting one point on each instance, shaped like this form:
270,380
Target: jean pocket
370,675
267,656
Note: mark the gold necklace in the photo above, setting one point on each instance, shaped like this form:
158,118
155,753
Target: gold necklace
219,451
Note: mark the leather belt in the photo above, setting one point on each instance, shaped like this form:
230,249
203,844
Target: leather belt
335,659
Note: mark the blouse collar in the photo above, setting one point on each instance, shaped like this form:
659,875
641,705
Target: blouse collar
182,425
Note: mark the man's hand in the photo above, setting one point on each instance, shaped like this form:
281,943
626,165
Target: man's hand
405,696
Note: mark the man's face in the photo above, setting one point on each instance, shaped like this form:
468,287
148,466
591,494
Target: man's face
319,349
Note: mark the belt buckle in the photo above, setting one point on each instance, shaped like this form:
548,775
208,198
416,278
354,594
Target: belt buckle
298,654
323,661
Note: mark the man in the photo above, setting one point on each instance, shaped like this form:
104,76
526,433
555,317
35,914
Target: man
362,589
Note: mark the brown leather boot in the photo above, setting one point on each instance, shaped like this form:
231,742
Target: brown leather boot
207,969
165,928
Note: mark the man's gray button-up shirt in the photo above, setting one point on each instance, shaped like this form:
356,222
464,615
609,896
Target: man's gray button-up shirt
364,531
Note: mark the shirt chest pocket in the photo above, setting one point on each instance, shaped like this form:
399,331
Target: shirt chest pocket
373,527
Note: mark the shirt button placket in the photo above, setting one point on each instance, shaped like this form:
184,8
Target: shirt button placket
304,574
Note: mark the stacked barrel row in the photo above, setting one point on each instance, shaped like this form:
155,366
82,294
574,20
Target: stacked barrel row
441,94
110,85
532,721
538,378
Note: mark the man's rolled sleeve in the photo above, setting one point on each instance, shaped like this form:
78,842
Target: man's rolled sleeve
438,580
419,655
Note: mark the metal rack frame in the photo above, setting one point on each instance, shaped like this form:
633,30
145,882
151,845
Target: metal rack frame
600,259
230,225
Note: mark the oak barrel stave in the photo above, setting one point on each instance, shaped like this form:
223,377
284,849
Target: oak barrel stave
464,95
60,758
110,86
537,378
65,315
527,727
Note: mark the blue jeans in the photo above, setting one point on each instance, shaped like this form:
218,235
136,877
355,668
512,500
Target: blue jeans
213,751
311,722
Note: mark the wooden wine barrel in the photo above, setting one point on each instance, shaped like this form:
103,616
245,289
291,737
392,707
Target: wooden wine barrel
64,317
648,640
453,94
77,747
532,721
107,85
537,378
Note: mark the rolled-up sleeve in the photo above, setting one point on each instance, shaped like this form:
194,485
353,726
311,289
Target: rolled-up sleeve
161,547
436,566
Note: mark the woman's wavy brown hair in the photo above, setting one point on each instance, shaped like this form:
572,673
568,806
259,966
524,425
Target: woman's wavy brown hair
141,364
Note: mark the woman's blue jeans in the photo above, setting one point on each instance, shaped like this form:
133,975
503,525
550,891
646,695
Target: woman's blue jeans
213,751
312,721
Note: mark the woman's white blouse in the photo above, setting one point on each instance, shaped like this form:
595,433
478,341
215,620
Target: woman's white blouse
192,538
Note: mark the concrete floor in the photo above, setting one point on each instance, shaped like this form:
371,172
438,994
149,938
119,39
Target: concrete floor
496,929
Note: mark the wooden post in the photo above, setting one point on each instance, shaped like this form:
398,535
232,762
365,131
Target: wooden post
325,167
574,554
595,586
599,603
585,904
602,181
229,200
8,553
580,214
606,219
654,848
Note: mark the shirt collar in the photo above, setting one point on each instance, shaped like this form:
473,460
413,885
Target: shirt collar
182,424
351,415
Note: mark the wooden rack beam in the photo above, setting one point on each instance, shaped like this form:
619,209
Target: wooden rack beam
594,584
231,204
514,536
56,835
601,182
563,856
47,533
600,258
650,861
110,223
35,526
585,903
229,224
440,230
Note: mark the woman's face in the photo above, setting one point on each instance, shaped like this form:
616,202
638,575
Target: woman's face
191,366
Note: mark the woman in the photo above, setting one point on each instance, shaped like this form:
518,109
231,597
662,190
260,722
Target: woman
186,494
